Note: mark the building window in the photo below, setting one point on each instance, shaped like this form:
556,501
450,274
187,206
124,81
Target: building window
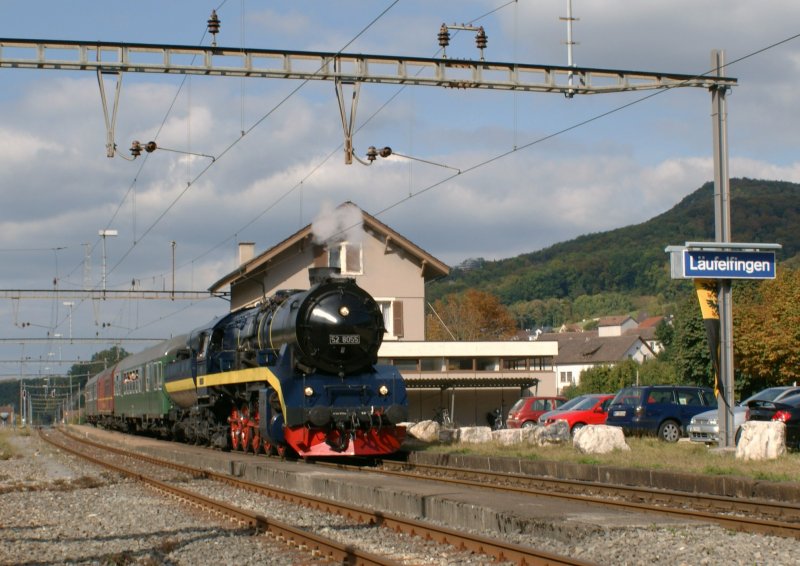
541,363
406,364
460,364
392,312
566,377
347,257
517,364
430,364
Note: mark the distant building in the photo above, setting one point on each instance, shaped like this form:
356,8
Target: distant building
616,339
647,332
6,415
615,325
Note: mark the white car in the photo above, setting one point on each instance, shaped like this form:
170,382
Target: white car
705,428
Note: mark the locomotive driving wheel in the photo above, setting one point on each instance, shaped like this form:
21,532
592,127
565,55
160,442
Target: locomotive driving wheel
246,428
269,449
236,431
255,442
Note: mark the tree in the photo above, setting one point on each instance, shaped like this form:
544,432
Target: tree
471,316
690,352
100,361
766,318
610,379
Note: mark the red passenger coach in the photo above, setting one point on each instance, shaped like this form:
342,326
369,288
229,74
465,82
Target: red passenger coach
101,389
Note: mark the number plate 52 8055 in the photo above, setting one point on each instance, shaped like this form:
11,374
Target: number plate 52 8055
344,339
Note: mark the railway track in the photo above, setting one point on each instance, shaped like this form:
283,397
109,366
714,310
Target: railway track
745,515
299,538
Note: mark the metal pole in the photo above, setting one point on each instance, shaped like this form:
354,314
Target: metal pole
104,260
173,270
722,233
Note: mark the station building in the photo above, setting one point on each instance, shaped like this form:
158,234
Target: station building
468,379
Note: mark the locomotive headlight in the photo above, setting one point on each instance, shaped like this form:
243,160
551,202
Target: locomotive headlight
308,392
344,311
383,391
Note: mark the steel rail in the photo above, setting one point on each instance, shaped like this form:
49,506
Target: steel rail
343,553
500,550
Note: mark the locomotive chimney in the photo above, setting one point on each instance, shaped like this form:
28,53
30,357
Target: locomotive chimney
246,252
320,274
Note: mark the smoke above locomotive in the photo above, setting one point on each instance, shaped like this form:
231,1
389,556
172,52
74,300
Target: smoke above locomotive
295,373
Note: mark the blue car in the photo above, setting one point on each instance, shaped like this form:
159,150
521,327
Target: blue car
661,410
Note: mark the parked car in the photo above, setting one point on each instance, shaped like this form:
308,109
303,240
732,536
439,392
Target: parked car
787,411
591,410
662,410
567,406
705,428
523,413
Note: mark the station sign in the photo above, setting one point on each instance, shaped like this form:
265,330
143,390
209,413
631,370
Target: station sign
729,265
716,262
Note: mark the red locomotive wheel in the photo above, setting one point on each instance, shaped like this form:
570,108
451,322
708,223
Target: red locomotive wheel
233,420
255,443
247,436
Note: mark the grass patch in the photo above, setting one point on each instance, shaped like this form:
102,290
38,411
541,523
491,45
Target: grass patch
7,450
650,454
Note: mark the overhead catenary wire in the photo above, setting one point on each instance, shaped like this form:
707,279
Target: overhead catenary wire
235,142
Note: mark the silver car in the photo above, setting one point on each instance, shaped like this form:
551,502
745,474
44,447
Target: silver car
705,428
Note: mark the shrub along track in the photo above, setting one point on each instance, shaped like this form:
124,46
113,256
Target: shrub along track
317,545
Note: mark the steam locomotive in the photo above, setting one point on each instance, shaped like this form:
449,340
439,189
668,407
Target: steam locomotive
294,374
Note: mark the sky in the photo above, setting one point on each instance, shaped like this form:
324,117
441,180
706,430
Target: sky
487,174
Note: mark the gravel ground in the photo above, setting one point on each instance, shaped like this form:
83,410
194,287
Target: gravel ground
56,509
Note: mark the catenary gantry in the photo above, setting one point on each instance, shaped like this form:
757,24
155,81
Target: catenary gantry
114,57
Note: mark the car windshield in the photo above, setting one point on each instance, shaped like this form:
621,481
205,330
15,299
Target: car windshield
518,405
584,404
572,403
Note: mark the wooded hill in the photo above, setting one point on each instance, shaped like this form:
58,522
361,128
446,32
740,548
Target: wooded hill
627,269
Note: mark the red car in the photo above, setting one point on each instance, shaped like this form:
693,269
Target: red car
527,410
591,410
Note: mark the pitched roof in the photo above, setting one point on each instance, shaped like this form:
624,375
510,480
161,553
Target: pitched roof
613,320
652,321
434,268
589,348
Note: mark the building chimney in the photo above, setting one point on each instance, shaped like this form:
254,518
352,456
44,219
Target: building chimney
246,252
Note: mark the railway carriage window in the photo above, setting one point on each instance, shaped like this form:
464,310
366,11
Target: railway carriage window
201,351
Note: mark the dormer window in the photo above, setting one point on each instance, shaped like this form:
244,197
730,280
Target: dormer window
347,257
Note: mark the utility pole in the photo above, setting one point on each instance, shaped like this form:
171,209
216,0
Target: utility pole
722,234
104,234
